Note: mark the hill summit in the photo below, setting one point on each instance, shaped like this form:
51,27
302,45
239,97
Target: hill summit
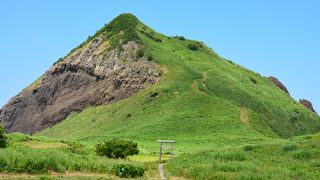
129,81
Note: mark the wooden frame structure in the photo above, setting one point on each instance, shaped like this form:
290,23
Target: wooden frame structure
166,144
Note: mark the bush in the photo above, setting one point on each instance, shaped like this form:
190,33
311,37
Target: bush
140,53
181,38
150,58
127,171
3,138
193,47
117,149
304,155
289,147
74,147
253,80
248,148
158,40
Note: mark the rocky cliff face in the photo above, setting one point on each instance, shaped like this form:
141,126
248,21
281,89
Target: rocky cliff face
89,76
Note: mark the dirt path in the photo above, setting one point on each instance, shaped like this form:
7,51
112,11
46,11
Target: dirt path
244,116
161,171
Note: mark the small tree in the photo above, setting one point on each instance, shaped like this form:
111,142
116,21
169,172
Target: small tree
117,149
193,47
3,138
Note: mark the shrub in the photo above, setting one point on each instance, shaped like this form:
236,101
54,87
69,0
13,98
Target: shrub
181,38
3,163
158,40
150,58
248,148
304,155
140,53
193,47
128,171
149,35
253,80
74,147
3,138
231,62
117,149
289,147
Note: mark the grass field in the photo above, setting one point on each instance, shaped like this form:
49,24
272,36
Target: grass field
296,158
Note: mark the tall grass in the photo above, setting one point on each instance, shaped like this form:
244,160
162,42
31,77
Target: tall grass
295,159
23,159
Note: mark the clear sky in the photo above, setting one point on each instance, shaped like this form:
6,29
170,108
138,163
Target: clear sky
271,37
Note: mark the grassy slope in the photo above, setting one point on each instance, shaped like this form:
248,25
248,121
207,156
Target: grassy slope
204,102
296,158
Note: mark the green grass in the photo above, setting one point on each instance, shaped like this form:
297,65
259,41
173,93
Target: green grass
35,155
264,161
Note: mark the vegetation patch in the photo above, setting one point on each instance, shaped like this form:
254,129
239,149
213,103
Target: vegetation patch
249,148
3,138
193,47
127,171
230,156
58,61
74,147
253,80
121,30
180,38
304,154
117,149
289,147
140,53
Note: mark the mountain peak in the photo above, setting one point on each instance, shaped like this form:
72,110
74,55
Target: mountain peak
120,30
126,18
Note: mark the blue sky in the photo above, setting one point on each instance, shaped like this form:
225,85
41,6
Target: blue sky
274,37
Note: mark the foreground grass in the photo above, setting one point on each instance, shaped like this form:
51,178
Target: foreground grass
23,159
31,155
297,158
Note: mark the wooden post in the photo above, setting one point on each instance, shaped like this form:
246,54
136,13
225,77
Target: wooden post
171,150
160,152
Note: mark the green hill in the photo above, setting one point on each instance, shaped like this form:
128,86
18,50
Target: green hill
202,100
129,82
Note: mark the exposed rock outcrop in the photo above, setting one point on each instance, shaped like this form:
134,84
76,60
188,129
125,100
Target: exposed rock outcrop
279,84
307,104
88,77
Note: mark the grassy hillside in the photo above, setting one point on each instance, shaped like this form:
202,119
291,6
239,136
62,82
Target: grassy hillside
203,101
296,158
